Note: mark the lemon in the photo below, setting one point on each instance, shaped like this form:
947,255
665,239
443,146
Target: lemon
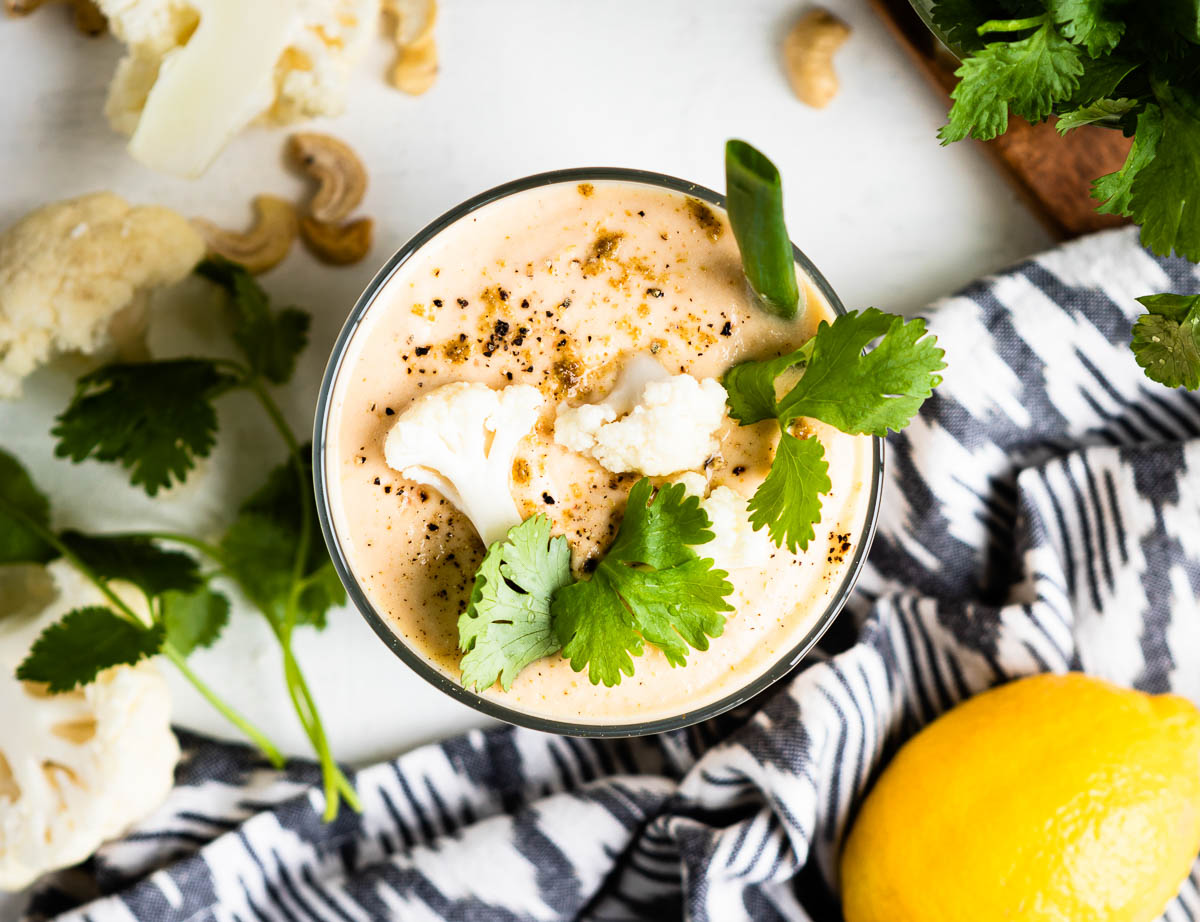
1057,797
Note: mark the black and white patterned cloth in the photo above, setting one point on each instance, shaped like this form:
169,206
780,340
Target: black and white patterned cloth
1043,513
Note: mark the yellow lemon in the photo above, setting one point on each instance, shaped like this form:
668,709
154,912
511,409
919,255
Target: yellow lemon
1057,798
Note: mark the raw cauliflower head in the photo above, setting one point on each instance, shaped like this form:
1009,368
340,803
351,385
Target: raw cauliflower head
76,274
460,439
79,768
197,72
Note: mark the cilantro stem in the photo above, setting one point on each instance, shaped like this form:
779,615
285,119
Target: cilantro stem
1011,25
226,710
274,756
306,511
337,786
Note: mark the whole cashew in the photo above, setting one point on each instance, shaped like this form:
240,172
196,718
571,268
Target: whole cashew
808,54
416,64
338,244
263,246
340,175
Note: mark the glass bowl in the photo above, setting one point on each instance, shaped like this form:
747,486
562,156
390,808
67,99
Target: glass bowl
413,659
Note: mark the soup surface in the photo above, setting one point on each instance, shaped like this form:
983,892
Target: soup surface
558,287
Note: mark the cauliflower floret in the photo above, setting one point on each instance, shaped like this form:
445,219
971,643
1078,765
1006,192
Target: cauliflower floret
79,768
196,73
77,274
576,427
735,543
460,439
671,427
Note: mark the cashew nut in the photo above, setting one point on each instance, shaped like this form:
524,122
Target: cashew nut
341,176
88,18
265,244
417,58
808,56
338,244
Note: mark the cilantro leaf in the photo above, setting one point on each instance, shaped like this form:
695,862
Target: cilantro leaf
1165,196
22,503
869,393
1166,339
596,629
1102,111
660,532
1100,79
270,341
135,560
86,641
958,18
650,587
507,624
1086,23
750,386
261,545
154,418
194,619
1115,190
1027,76
788,502
857,393
1184,15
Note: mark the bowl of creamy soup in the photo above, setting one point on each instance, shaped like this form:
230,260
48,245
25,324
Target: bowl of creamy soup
535,352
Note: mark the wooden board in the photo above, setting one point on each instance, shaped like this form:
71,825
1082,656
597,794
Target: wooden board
1052,173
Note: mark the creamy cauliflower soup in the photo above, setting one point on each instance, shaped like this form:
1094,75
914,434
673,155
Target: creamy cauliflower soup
571,289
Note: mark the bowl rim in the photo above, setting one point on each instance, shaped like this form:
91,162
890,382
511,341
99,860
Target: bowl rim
414,660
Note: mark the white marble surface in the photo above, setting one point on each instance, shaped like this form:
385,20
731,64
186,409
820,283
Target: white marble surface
527,85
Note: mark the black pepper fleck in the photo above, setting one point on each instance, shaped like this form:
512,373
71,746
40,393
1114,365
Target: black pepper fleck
437,302
727,330
422,350
654,292
547,499
388,411
739,470
462,302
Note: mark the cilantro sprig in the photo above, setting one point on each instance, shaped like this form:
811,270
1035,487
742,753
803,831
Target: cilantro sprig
651,587
181,613
1132,67
157,419
859,393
